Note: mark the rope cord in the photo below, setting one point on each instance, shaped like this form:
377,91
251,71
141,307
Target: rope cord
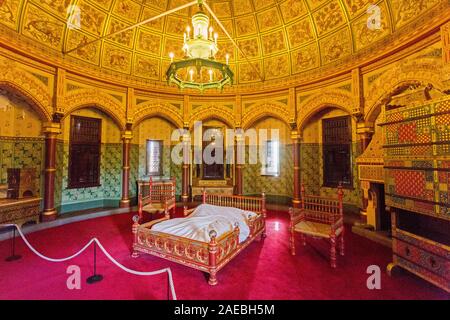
114,261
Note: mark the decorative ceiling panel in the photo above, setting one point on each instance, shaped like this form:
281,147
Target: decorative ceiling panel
279,37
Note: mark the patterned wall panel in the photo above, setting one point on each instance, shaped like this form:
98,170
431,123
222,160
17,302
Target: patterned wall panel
22,152
281,186
417,158
21,142
110,190
311,166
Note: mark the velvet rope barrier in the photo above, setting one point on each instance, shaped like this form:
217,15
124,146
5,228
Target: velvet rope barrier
114,261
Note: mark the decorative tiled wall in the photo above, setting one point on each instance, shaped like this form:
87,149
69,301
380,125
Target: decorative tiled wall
152,129
311,166
21,142
107,194
21,152
276,188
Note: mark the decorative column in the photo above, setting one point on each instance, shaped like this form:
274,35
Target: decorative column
365,133
51,131
126,144
239,157
295,136
185,167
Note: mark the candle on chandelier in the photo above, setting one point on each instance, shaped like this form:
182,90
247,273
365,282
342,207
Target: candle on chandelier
188,29
191,73
210,75
171,55
227,57
216,36
184,37
211,32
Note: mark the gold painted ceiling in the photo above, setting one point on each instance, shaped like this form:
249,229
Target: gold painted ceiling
279,37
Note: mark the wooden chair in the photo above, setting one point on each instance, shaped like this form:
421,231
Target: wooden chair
156,196
319,218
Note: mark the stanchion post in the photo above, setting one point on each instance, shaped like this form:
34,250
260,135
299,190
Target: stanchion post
13,256
95,277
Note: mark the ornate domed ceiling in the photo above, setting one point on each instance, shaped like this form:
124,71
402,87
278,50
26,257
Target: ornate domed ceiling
279,37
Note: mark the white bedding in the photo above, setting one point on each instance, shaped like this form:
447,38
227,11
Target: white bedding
205,218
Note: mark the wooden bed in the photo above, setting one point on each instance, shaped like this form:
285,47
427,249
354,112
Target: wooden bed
210,256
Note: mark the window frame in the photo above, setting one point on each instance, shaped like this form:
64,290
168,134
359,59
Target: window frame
264,166
161,158
72,144
337,146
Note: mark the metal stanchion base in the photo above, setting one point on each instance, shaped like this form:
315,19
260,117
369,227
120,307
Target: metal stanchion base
95,278
13,258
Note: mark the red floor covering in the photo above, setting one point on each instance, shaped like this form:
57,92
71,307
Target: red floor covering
265,270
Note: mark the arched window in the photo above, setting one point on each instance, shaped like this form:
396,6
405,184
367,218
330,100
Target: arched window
337,146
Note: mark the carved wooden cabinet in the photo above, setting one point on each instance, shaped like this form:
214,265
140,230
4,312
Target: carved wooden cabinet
20,211
417,187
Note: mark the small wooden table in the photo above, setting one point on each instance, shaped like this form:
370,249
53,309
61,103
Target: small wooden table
20,211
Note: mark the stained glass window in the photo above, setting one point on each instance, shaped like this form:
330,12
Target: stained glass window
154,157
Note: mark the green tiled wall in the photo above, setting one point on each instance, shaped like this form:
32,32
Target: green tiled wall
138,167
106,195
277,189
22,152
312,173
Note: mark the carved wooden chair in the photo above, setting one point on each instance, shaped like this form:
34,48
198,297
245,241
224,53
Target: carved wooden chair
156,196
319,218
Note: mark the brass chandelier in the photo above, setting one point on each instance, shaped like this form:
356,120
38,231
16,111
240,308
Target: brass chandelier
199,68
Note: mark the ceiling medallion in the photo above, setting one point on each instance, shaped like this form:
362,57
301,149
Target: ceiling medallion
199,68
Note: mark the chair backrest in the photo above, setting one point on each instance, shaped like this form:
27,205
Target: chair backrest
156,191
332,209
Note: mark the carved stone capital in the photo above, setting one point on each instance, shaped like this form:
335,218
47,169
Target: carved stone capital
51,129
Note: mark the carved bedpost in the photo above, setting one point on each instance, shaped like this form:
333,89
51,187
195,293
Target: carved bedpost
212,249
204,196
140,200
135,253
166,209
264,213
291,229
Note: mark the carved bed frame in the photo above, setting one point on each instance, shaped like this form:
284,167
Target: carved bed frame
211,256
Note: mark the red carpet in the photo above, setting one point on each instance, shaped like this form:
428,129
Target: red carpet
265,270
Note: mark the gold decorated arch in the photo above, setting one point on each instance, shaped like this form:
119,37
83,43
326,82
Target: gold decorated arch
322,100
212,112
89,98
423,72
162,110
23,84
255,113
